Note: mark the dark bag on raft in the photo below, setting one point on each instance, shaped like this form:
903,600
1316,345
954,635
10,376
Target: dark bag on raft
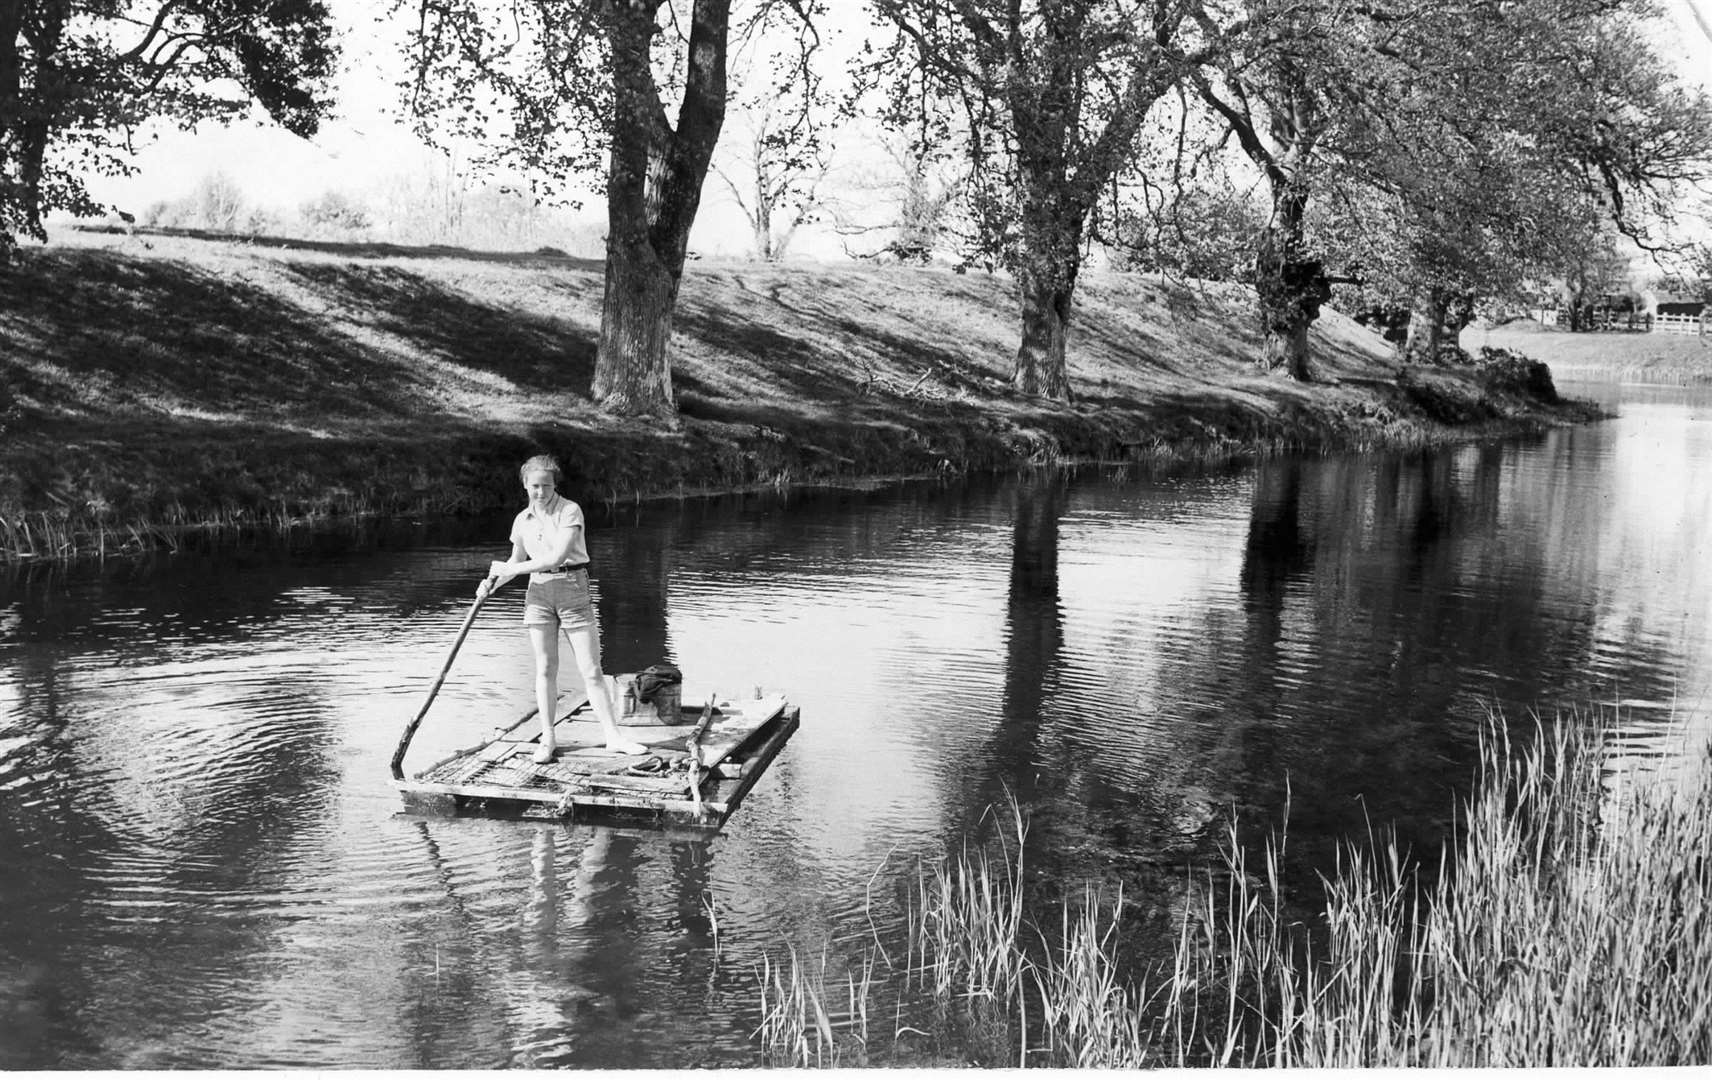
653,695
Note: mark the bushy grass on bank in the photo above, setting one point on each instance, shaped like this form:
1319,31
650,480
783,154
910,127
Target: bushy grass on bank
155,383
1569,925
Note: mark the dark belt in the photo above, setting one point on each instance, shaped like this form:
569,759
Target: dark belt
569,568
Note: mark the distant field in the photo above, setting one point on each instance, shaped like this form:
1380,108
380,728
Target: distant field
1614,356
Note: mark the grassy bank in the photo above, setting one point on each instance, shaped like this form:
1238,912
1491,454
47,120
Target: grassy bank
154,384
1569,925
1604,356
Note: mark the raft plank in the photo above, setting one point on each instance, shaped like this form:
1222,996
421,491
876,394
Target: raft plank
499,751
480,791
728,732
658,785
756,765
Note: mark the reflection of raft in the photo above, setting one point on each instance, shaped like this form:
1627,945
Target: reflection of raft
732,750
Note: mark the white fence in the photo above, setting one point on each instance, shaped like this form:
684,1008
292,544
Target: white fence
1679,324
1657,324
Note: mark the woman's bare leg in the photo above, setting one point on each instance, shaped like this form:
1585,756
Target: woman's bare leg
585,646
545,641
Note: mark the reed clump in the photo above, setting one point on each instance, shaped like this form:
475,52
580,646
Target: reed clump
966,925
801,1025
1568,924
991,988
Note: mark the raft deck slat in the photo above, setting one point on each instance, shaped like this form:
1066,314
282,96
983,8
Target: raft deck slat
673,786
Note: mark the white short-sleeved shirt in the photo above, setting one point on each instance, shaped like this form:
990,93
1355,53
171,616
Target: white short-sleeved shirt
541,534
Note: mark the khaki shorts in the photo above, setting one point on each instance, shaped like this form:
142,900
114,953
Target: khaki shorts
563,603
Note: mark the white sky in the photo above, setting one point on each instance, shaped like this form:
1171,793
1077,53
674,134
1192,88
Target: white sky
271,165
368,146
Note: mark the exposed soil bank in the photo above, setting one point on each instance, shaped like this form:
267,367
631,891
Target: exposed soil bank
152,384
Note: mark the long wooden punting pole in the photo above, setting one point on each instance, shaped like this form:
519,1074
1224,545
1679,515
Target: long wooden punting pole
416,721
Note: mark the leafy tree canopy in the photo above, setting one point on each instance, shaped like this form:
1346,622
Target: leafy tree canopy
78,78
1448,150
1048,100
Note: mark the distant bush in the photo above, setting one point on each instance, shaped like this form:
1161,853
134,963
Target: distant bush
216,204
435,208
220,204
445,205
166,214
1510,371
334,212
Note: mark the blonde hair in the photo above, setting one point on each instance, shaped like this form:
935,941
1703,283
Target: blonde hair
541,463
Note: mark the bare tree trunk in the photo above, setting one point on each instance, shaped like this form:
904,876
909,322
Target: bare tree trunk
11,69
11,89
1422,344
1040,366
763,218
1436,321
1426,328
653,191
24,131
1457,315
1290,285
1052,213
633,376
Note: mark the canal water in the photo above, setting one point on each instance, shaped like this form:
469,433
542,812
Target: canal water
202,863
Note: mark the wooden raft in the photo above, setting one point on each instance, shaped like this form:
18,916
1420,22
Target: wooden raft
739,742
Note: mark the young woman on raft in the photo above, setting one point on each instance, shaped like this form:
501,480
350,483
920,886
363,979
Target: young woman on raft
548,544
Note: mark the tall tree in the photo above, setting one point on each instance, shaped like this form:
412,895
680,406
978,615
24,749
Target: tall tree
1290,76
905,195
774,174
1051,94
1592,270
550,89
78,78
778,150
1453,222
653,189
1551,132
1460,113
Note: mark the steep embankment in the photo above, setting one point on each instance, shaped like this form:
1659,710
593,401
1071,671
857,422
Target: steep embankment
153,382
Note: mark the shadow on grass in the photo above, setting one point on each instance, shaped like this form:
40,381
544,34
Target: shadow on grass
535,353
103,332
118,333
797,367
803,367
